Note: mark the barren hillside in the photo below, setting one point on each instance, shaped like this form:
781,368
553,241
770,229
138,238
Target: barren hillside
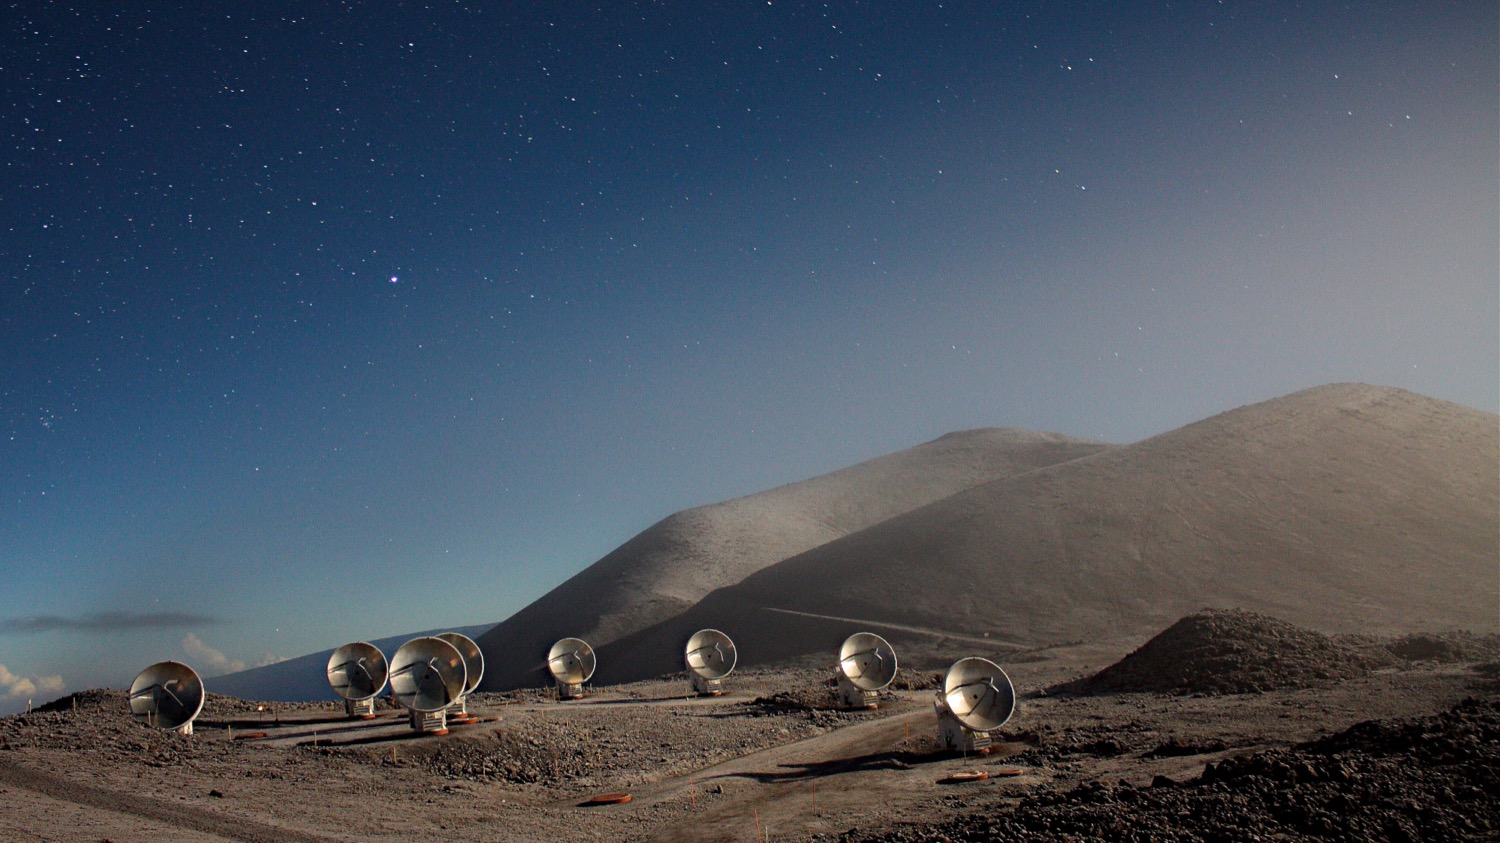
673,564
1345,508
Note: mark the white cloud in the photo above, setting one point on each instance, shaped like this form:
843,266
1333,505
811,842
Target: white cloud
270,658
16,687
211,662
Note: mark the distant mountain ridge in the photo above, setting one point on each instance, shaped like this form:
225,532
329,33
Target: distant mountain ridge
1342,508
306,677
667,568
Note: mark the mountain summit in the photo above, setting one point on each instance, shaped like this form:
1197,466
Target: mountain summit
667,568
1345,508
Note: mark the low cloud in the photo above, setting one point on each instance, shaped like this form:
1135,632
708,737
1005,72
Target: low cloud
105,622
210,662
269,659
17,687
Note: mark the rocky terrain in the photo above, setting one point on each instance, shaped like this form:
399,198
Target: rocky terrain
1228,742
1423,778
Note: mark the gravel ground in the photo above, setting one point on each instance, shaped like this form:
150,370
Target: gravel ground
1186,760
1429,778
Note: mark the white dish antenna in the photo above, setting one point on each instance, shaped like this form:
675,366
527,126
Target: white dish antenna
168,695
977,698
571,662
428,675
867,663
710,656
357,672
474,667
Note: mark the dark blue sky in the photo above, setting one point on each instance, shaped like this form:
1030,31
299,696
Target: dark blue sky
326,321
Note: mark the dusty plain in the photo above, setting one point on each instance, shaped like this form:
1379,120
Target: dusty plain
774,759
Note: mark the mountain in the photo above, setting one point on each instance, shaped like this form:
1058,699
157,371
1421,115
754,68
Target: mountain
1344,508
666,569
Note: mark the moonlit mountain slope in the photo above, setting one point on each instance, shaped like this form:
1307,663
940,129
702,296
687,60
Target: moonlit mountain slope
673,564
1345,508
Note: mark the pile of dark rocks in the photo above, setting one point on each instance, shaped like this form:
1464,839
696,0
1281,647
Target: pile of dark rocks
1431,778
1228,651
1445,648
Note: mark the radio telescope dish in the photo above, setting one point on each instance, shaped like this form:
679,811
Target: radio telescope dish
979,693
473,665
867,663
473,658
977,697
428,675
167,694
572,663
710,656
357,672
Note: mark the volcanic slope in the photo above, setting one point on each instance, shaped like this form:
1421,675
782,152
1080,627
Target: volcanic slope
673,564
1344,508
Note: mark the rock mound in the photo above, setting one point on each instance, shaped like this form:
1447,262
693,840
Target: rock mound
1423,779
1488,674
1447,647
1228,651
90,700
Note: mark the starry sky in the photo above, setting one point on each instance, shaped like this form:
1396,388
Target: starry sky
327,321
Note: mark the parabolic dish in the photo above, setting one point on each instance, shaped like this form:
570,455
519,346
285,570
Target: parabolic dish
473,658
867,661
427,674
979,694
166,694
710,654
357,671
571,660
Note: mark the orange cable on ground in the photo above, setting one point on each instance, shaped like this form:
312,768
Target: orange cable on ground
964,776
607,799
